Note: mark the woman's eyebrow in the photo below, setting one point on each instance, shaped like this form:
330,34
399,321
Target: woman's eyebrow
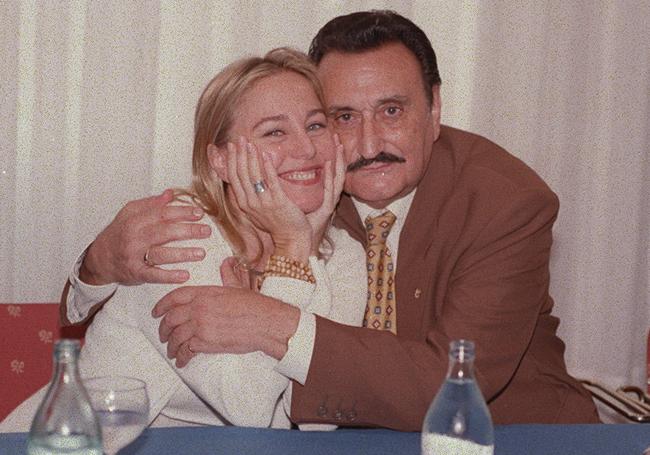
315,112
272,118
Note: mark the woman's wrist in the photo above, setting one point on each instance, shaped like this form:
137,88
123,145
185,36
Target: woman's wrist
283,266
316,241
297,247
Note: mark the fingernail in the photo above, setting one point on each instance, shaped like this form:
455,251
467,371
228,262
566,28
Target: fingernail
199,254
205,230
182,276
197,212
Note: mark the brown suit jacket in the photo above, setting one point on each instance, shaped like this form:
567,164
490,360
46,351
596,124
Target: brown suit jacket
473,263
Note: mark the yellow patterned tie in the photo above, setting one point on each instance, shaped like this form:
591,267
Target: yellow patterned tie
381,313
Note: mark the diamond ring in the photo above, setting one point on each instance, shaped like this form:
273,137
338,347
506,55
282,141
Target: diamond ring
259,187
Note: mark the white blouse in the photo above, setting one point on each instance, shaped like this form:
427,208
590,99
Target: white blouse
218,389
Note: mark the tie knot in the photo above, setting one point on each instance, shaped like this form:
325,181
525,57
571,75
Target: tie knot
377,228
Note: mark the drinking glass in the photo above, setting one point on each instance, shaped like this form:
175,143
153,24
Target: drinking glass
122,407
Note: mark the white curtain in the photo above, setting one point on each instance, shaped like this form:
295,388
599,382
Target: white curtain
97,99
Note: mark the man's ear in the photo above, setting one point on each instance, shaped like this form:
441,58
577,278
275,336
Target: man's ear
436,105
217,159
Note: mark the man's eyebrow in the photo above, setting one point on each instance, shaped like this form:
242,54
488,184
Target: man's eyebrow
273,118
392,99
337,108
388,99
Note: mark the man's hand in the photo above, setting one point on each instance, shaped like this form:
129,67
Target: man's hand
143,227
215,319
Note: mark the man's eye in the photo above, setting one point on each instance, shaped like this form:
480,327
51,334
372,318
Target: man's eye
346,117
393,111
274,133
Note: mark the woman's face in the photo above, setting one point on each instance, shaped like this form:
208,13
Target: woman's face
282,116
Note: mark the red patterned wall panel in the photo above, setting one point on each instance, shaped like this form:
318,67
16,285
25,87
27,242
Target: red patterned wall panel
28,333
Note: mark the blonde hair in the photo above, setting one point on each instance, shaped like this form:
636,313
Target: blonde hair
212,122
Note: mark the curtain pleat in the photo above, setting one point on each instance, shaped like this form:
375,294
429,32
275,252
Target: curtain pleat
98,102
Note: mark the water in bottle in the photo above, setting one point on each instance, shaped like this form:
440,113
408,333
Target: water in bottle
65,422
458,420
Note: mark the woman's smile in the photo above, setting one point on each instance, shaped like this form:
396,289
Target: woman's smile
303,176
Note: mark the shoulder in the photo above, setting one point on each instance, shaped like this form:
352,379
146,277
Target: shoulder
216,239
484,171
217,248
471,184
484,164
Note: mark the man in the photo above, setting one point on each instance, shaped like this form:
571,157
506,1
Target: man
467,256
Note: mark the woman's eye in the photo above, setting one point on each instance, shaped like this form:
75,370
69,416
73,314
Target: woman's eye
274,133
316,126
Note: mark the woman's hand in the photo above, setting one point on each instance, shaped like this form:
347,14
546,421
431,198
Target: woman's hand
269,210
235,274
334,179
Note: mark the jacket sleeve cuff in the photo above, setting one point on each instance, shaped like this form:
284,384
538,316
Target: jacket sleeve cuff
83,296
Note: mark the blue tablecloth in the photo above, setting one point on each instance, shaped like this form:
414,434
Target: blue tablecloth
510,440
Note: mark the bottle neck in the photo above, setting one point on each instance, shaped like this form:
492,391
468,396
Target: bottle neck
65,362
461,360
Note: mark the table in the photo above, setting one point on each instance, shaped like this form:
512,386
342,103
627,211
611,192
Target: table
630,439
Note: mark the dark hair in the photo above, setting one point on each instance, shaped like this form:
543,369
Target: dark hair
362,31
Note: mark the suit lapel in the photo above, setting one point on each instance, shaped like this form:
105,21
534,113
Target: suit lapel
419,244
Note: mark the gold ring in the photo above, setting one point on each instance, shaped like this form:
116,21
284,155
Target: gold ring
147,260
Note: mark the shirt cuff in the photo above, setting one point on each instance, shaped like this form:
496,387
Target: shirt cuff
83,296
293,291
295,363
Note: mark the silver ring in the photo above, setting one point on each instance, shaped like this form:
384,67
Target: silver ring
259,187
147,260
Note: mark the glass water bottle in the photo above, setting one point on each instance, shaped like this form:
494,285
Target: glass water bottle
65,421
458,420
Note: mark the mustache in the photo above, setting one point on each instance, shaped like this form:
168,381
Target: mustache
382,157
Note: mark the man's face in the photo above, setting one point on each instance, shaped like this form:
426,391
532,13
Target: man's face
377,104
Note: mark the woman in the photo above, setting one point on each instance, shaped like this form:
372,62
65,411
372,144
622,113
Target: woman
268,200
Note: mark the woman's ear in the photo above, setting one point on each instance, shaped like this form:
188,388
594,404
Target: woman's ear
217,158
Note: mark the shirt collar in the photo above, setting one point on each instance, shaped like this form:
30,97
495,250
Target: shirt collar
399,207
